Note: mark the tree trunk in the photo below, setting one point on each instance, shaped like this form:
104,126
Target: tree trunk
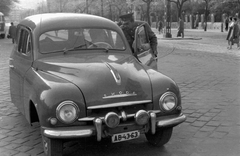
148,13
206,16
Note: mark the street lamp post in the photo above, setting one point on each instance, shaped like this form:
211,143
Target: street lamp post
167,19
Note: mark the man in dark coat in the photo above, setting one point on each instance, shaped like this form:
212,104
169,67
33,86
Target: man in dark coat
129,25
12,32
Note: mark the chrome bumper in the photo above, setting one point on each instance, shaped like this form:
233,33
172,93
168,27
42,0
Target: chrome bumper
96,129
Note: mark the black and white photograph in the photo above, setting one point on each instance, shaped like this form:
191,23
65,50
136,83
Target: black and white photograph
119,78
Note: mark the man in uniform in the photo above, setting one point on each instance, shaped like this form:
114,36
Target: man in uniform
129,25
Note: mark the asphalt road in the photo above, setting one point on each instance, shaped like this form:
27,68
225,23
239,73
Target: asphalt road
209,79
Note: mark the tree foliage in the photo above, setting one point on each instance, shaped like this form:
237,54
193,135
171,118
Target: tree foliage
179,5
5,6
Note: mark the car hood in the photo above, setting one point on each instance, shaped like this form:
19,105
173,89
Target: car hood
103,79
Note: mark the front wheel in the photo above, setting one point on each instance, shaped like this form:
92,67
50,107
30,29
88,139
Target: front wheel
52,147
160,138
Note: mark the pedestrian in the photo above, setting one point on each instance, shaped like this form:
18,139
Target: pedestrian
160,27
129,25
180,28
196,22
226,23
234,34
12,32
230,33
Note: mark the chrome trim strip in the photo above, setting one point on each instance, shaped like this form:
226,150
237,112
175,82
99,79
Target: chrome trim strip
102,118
67,133
119,104
119,96
115,73
172,121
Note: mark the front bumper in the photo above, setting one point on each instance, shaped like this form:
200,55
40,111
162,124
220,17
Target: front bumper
96,128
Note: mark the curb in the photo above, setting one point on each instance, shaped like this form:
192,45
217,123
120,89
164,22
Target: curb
186,38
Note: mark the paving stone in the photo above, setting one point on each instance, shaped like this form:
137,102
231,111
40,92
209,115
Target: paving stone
8,152
2,144
196,115
213,123
13,133
190,119
204,118
208,128
223,129
24,148
198,123
217,135
36,151
22,154
200,134
12,146
210,114
20,140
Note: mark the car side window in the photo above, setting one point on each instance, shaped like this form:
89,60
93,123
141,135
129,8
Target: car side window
24,43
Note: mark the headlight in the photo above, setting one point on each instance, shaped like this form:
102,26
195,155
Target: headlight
141,117
67,112
168,101
112,120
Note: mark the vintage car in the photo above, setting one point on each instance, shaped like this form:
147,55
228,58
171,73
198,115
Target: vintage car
78,77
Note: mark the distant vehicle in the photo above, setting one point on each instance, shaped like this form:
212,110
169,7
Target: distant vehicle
2,26
77,76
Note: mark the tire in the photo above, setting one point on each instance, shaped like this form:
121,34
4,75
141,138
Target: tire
160,138
52,147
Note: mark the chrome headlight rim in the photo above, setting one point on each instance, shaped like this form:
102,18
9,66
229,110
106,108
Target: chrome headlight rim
108,116
64,103
162,98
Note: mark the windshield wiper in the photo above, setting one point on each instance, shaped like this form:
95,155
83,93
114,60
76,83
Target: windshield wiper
73,48
96,46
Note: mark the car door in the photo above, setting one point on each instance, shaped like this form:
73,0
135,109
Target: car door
142,48
19,62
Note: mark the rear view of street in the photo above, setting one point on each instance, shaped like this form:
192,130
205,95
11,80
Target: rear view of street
209,79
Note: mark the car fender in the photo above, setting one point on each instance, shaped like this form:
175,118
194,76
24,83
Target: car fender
47,91
160,85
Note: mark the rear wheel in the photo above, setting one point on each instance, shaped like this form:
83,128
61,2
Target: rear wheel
52,147
160,138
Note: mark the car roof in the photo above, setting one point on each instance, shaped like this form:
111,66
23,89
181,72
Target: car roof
48,21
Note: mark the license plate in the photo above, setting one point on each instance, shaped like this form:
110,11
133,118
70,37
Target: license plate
125,136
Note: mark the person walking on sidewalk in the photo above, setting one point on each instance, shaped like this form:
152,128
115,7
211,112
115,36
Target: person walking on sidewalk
180,28
226,23
12,32
230,27
234,34
160,27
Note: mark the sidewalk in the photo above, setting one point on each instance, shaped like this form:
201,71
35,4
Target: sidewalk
186,31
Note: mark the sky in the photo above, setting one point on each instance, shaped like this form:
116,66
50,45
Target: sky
30,4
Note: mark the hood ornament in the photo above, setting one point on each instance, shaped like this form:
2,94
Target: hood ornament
115,73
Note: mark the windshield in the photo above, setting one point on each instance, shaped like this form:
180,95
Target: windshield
80,39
